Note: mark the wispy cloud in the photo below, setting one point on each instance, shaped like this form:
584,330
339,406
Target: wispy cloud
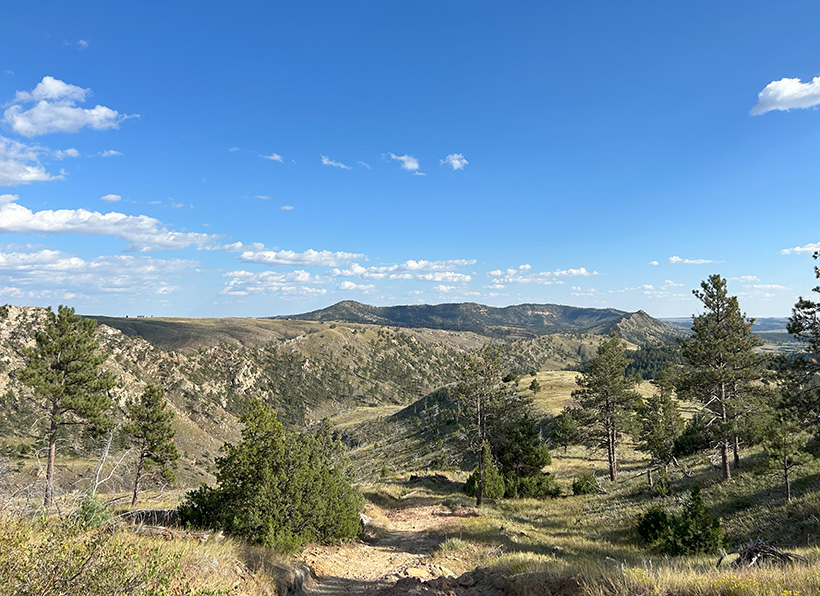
408,162
438,271
681,260
363,164
61,154
110,198
352,286
811,247
521,275
55,109
35,270
455,161
787,94
286,207
309,258
294,283
273,157
110,153
326,161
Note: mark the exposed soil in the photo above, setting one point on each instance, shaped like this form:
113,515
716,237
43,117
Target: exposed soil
398,545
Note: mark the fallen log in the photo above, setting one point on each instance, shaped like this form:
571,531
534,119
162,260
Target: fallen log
760,552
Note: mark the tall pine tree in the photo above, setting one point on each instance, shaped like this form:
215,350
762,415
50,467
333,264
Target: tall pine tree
607,399
63,370
149,426
722,369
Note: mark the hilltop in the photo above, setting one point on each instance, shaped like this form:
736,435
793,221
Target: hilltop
522,320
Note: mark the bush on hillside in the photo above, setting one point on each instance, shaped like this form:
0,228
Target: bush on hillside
493,480
585,484
278,488
694,532
538,486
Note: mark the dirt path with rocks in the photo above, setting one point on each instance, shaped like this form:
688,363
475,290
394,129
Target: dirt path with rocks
398,544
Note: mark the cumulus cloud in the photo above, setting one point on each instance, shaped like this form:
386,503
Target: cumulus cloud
271,157
20,164
326,161
295,283
679,260
143,233
286,207
408,162
421,270
653,263
110,198
110,153
810,248
309,258
520,275
55,109
455,161
787,94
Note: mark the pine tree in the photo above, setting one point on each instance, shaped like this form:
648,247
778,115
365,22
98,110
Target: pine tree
149,427
488,401
802,376
63,370
785,448
722,370
607,399
565,430
661,421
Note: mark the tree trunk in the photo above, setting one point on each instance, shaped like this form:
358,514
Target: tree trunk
736,448
787,481
613,462
649,478
52,453
479,493
137,478
724,445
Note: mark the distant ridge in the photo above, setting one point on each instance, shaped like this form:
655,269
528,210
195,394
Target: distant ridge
522,320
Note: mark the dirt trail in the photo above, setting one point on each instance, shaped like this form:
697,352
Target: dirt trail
396,546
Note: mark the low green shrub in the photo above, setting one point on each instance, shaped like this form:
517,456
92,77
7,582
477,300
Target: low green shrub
539,486
493,480
585,484
694,532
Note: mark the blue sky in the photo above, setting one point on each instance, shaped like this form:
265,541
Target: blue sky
256,158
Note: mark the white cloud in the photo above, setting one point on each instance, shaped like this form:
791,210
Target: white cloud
20,164
233,149
55,110
110,198
745,278
455,161
787,94
653,263
443,276
286,207
408,162
445,289
326,161
519,275
82,44
273,157
143,233
421,270
671,284
349,285
65,153
811,247
110,153
363,164
45,268
295,283
677,260
262,197
309,258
